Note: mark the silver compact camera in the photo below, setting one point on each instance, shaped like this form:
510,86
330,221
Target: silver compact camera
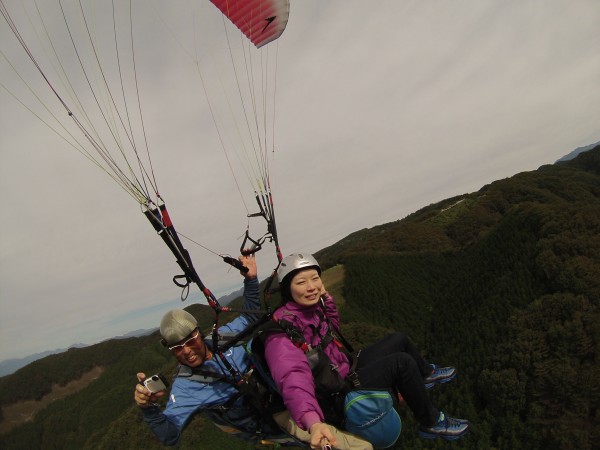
156,383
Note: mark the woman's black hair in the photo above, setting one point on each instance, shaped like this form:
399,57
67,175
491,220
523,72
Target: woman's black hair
285,289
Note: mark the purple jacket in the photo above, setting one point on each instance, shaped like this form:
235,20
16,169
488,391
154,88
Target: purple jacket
289,366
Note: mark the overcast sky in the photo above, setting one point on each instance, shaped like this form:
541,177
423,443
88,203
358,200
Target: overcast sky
382,108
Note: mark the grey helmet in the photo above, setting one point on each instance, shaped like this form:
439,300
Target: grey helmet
294,262
176,325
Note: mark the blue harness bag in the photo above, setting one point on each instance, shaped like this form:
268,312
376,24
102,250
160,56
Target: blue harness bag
370,414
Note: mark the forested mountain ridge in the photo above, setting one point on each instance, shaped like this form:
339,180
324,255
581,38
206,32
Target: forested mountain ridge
503,283
454,222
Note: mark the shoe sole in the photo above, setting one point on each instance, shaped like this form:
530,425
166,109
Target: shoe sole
446,437
440,381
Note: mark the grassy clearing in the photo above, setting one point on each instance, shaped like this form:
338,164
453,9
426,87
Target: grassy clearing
333,279
19,413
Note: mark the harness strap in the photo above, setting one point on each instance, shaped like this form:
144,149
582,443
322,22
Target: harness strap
352,376
200,375
247,386
332,334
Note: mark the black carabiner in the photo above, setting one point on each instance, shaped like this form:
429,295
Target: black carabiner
254,247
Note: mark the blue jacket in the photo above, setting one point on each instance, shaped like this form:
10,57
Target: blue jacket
189,397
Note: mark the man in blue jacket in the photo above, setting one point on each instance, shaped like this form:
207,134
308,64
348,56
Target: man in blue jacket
192,393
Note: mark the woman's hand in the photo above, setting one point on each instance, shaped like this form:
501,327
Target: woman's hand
324,292
320,436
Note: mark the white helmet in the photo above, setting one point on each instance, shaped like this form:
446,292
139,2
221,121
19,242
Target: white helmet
295,262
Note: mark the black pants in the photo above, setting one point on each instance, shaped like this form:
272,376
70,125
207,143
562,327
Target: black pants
395,363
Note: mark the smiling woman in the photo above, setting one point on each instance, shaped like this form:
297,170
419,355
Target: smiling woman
320,377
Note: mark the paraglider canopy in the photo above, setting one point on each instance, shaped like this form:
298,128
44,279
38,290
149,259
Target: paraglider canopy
262,21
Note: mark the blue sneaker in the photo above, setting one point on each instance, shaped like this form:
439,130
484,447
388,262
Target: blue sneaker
439,375
447,428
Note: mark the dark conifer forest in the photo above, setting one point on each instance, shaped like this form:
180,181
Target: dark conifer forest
503,283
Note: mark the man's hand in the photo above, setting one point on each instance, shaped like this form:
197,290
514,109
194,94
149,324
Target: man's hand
143,397
249,261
